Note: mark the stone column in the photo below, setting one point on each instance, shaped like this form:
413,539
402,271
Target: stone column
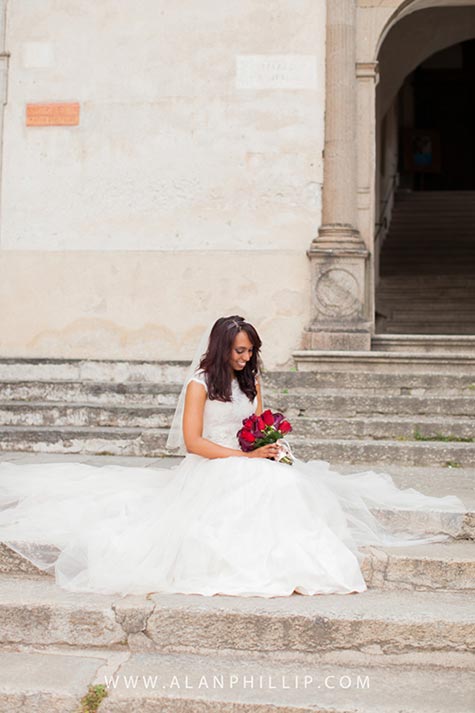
367,74
338,255
4,58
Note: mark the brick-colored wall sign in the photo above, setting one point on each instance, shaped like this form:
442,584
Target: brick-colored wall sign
55,114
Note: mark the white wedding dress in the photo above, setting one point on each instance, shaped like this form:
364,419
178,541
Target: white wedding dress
238,526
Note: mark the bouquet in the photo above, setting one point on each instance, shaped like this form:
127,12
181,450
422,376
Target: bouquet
261,430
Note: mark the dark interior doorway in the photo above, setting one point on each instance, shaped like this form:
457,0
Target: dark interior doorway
439,152
427,259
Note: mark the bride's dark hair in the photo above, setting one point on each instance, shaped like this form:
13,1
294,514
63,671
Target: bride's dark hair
215,362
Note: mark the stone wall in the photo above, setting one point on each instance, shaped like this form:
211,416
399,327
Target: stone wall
191,186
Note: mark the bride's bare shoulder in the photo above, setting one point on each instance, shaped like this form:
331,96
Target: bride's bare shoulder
197,384
199,377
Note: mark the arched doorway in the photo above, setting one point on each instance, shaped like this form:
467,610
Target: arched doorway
425,175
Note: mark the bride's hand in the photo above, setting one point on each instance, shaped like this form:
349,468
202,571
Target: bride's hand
269,451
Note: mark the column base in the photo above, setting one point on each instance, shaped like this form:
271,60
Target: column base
338,337
339,320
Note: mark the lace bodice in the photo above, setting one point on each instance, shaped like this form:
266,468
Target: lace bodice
223,419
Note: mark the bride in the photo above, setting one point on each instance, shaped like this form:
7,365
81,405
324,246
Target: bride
221,522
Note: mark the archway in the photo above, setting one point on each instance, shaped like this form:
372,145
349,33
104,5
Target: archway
424,248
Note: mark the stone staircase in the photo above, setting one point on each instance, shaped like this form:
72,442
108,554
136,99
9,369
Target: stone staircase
412,632
406,645
370,407
427,265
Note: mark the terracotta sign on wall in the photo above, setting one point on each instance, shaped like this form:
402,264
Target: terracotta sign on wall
56,114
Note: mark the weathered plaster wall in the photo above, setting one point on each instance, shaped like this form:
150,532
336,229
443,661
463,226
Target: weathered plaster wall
131,305
181,194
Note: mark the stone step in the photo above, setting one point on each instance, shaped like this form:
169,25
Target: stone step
432,309
442,208
86,440
447,566
427,314
440,240
55,415
416,221
403,228
353,450
407,265
397,383
399,621
315,404
136,395
465,195
439,298
383,427
227,684
400,315
394,249
46,682
455,285
408,354
165,393
431,412
325,404
424,317
223,683
426,261
410,215
438,566
426,299
424,328
448,281
95,370
437,206
406,269
462,197
151,443
132,393
430,244
423,256
432,347
450,211
35,611
425,264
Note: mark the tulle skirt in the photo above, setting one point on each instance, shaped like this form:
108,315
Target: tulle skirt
236,526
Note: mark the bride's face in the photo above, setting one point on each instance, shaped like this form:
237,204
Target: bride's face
241,351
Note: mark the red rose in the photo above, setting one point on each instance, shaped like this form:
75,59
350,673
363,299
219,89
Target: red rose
247,436
248,423
268,417
261,424
285,427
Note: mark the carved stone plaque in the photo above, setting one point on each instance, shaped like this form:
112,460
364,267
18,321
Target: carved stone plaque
337,293
56,114
286,71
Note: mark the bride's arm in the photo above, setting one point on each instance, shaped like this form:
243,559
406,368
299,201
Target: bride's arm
259,407
193,429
